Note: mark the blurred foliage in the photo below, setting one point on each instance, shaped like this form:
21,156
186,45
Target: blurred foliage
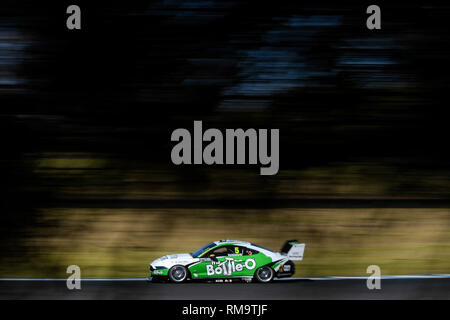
121,242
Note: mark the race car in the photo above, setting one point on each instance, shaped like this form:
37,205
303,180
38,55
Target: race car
228,261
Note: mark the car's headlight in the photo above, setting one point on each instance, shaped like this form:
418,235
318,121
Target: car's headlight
157,268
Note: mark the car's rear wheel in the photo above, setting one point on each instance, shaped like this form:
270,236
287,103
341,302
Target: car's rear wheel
264,274
178,274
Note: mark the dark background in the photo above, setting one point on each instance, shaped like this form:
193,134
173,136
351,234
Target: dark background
86,115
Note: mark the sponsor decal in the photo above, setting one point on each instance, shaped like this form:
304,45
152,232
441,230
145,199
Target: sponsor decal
229,266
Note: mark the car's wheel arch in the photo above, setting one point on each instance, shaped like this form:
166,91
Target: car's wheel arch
258,277
186,278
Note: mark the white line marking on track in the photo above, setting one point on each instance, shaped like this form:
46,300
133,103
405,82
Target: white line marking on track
423,276
418,276
60,279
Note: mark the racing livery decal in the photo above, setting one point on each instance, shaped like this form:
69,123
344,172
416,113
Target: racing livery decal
229,259
229,266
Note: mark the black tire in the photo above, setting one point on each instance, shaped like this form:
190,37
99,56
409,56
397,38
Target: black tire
178,274
264,274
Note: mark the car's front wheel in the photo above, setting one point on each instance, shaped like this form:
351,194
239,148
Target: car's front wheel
178,274
264,274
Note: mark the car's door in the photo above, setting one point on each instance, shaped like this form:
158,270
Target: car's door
212,264
245,261
231,261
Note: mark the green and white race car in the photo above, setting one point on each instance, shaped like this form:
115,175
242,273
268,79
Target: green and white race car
227,261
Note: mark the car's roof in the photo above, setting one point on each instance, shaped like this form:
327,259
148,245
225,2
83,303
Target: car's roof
232,241
246,244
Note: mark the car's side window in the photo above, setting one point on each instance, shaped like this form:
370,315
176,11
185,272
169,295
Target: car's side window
220,252
249,251
235,250
232,251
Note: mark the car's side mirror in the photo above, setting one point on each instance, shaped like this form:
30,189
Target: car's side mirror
213,257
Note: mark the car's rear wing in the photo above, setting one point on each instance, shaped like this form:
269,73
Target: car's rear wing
293,249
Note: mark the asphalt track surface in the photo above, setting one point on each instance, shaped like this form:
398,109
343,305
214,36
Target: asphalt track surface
434,287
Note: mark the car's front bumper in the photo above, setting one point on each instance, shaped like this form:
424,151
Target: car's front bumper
156,271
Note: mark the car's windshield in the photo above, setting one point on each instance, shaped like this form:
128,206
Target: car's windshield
203,249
